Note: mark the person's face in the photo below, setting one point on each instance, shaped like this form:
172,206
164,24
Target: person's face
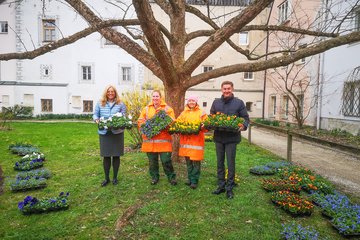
110,94
191,103
156,98
227,90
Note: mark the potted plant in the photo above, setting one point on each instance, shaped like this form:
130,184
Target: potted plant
156,124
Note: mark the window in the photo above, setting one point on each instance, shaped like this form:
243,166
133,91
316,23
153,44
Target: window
284,11
248,76
207,68
5,100
351,99
76,101
48,30
126,74
87,106
272,111
244,38
86,72
4,27
357,19
28,100
204,104
285,106
301,104
46,105
249,106
45,71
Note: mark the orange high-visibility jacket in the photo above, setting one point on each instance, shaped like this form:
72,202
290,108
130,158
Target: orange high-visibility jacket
162,141
192,146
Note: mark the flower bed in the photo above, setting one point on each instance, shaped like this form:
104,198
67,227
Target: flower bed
156,124
347,221
220,121
117,121
280,184
306,178
263,170
28,165
32,156
294,231
22,149
32,205
38,173
186,128
292,203
27,184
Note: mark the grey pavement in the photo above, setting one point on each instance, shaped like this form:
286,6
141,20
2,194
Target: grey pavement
341,168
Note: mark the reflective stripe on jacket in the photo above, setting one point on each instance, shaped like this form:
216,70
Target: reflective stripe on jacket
192,146
162,141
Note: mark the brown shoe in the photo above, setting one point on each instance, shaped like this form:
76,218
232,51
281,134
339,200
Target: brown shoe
193,186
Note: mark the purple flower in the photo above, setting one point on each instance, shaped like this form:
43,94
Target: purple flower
21,205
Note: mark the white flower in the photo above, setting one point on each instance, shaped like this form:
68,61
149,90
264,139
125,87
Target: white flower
110,119
102,119
130,122
130,117
118,114
105,127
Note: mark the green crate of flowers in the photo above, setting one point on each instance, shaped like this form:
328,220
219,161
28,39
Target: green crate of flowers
185,128
223,122
156,124
32,205
116,121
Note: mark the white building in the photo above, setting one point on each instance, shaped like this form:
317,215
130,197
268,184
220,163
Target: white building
70,79
340,103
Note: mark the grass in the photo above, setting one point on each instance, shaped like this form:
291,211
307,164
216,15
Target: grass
143,211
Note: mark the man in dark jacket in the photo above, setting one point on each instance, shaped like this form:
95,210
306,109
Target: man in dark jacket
226,142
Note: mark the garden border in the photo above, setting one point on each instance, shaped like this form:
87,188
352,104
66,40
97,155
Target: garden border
343,147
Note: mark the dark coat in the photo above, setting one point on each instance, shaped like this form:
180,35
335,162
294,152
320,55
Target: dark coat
229,106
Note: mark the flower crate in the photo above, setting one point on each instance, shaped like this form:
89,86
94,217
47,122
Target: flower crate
153,126
185,128
223,122
117,121
292,203
32,205
27,184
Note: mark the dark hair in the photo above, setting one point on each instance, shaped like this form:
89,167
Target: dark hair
227,83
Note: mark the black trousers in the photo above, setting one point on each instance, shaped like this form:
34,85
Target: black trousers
228,149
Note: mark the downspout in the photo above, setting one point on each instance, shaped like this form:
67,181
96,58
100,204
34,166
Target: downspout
320,77
266,58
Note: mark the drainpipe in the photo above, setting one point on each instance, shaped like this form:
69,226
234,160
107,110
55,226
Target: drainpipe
266,57
320,76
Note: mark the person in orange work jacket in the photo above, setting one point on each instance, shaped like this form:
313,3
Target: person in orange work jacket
160,145
192,146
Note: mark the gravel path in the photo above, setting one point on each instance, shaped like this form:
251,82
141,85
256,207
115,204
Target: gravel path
341,168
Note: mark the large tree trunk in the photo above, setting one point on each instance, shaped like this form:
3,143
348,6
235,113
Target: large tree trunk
175,97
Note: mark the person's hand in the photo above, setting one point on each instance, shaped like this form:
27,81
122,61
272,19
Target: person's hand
97,121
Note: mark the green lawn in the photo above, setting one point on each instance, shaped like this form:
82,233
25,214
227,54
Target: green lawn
155,212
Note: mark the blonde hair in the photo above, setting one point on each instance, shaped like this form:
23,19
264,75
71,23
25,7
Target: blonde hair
104,99
158,91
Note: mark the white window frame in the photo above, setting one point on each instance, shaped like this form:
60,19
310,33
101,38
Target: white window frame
284,11
242,36
248,76
4,27
46,29
357,19
285,106
272,112
89,76
126,78
5,100
28,100
76,101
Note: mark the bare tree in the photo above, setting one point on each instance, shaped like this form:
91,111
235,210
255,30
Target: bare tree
163,49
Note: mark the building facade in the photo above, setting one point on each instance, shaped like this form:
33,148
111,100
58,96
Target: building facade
67,80
339,107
